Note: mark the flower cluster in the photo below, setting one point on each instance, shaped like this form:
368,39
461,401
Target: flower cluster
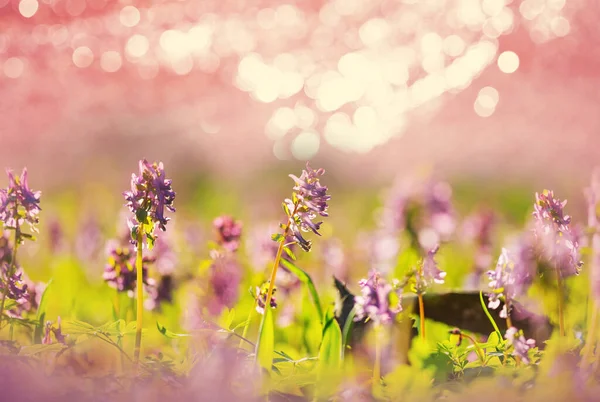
18,204
224,280
512,276
150,195
120,272
13,284
421,208
229,232
478,228
165,261
309,200
376,301
559,244
261,298
429,273
521,346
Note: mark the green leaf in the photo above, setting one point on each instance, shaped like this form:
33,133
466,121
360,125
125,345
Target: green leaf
289,252
307,280
266,341
331,351
76,327
277,237
347,329
286,209
169,334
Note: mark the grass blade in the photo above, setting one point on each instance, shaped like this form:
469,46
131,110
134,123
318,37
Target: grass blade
307,280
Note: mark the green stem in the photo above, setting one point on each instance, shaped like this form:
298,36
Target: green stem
561,318
11,270
489,316
422,315
140,298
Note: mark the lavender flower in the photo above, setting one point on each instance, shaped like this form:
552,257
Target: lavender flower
12,284
521,346
88,243
261,298
18,204
381,249
421,208
56,236
558,242
120,272
429,273
309,201
375,301
334,259
150,195
478,228
228,232
224,280
5,249
512,276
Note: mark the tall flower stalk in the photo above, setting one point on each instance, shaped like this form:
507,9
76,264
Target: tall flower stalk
309,200
426,275
559,245
379,302
18,204
150,195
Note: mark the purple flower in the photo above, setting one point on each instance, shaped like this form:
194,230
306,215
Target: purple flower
334,259
423,209
32,299
228,232
478,228
559,244
5,249
18,204
309,201
261,298
120,272
13,284
150,195
56,236
375,301
381,249
165,258
224,280
88,242
521,346
429,273
513,274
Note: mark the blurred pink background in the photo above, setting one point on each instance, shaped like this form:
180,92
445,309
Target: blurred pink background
369,89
